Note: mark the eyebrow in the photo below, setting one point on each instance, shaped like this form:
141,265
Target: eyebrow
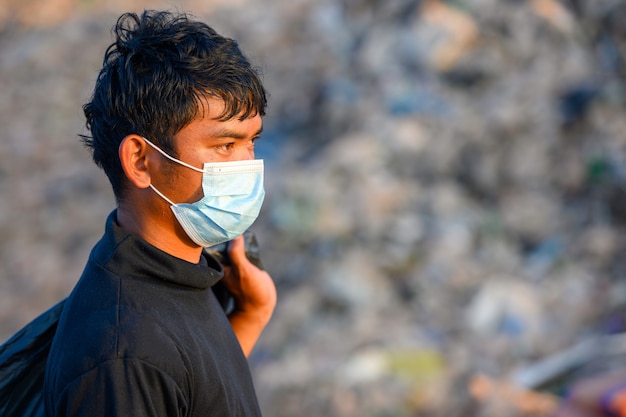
227,133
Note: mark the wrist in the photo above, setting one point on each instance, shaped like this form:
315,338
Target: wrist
258,313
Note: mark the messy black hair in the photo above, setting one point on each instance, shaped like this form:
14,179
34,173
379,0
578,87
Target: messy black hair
153,82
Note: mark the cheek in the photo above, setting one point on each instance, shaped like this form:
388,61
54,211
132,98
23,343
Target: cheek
198,194
186,185
193,187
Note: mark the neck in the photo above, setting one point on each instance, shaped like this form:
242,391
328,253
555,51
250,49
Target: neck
159,228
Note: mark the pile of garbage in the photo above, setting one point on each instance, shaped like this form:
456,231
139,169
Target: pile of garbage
445,191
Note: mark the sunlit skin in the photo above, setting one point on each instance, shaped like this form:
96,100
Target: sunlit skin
145,213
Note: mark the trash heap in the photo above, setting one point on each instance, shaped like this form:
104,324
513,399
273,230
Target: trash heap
445,191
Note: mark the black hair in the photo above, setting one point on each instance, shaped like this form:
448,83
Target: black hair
153,81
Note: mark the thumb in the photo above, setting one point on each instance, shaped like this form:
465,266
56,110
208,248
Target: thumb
237,250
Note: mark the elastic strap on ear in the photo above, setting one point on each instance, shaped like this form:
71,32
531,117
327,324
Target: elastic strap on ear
162,195
171,158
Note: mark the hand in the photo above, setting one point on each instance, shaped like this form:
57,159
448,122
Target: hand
254,292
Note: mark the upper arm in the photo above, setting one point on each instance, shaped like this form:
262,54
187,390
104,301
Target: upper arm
122,387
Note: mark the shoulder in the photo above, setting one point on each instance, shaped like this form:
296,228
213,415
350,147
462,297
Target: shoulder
132,363
86,338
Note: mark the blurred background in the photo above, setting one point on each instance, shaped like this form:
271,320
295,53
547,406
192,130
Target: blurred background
445,184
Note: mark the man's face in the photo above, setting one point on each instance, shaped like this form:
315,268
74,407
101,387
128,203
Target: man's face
207,139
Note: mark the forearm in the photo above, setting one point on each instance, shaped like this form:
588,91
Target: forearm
249,324
255,296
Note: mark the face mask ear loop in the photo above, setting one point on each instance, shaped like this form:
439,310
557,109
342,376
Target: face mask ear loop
162,196
171,158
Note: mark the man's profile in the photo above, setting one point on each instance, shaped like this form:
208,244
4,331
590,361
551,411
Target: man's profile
173,119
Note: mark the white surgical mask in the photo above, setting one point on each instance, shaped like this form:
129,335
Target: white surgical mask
233,195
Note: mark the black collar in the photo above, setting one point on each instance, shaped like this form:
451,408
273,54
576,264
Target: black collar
126,254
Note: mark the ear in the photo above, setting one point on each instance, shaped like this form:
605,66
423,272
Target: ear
134,157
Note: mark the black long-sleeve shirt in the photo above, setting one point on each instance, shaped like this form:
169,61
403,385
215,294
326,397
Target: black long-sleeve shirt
142,334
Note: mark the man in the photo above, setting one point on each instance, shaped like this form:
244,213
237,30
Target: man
174,116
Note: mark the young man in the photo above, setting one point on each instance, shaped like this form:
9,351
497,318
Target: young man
174,116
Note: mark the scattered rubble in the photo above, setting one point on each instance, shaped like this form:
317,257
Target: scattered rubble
446,189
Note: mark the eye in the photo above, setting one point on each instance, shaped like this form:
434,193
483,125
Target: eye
225,147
